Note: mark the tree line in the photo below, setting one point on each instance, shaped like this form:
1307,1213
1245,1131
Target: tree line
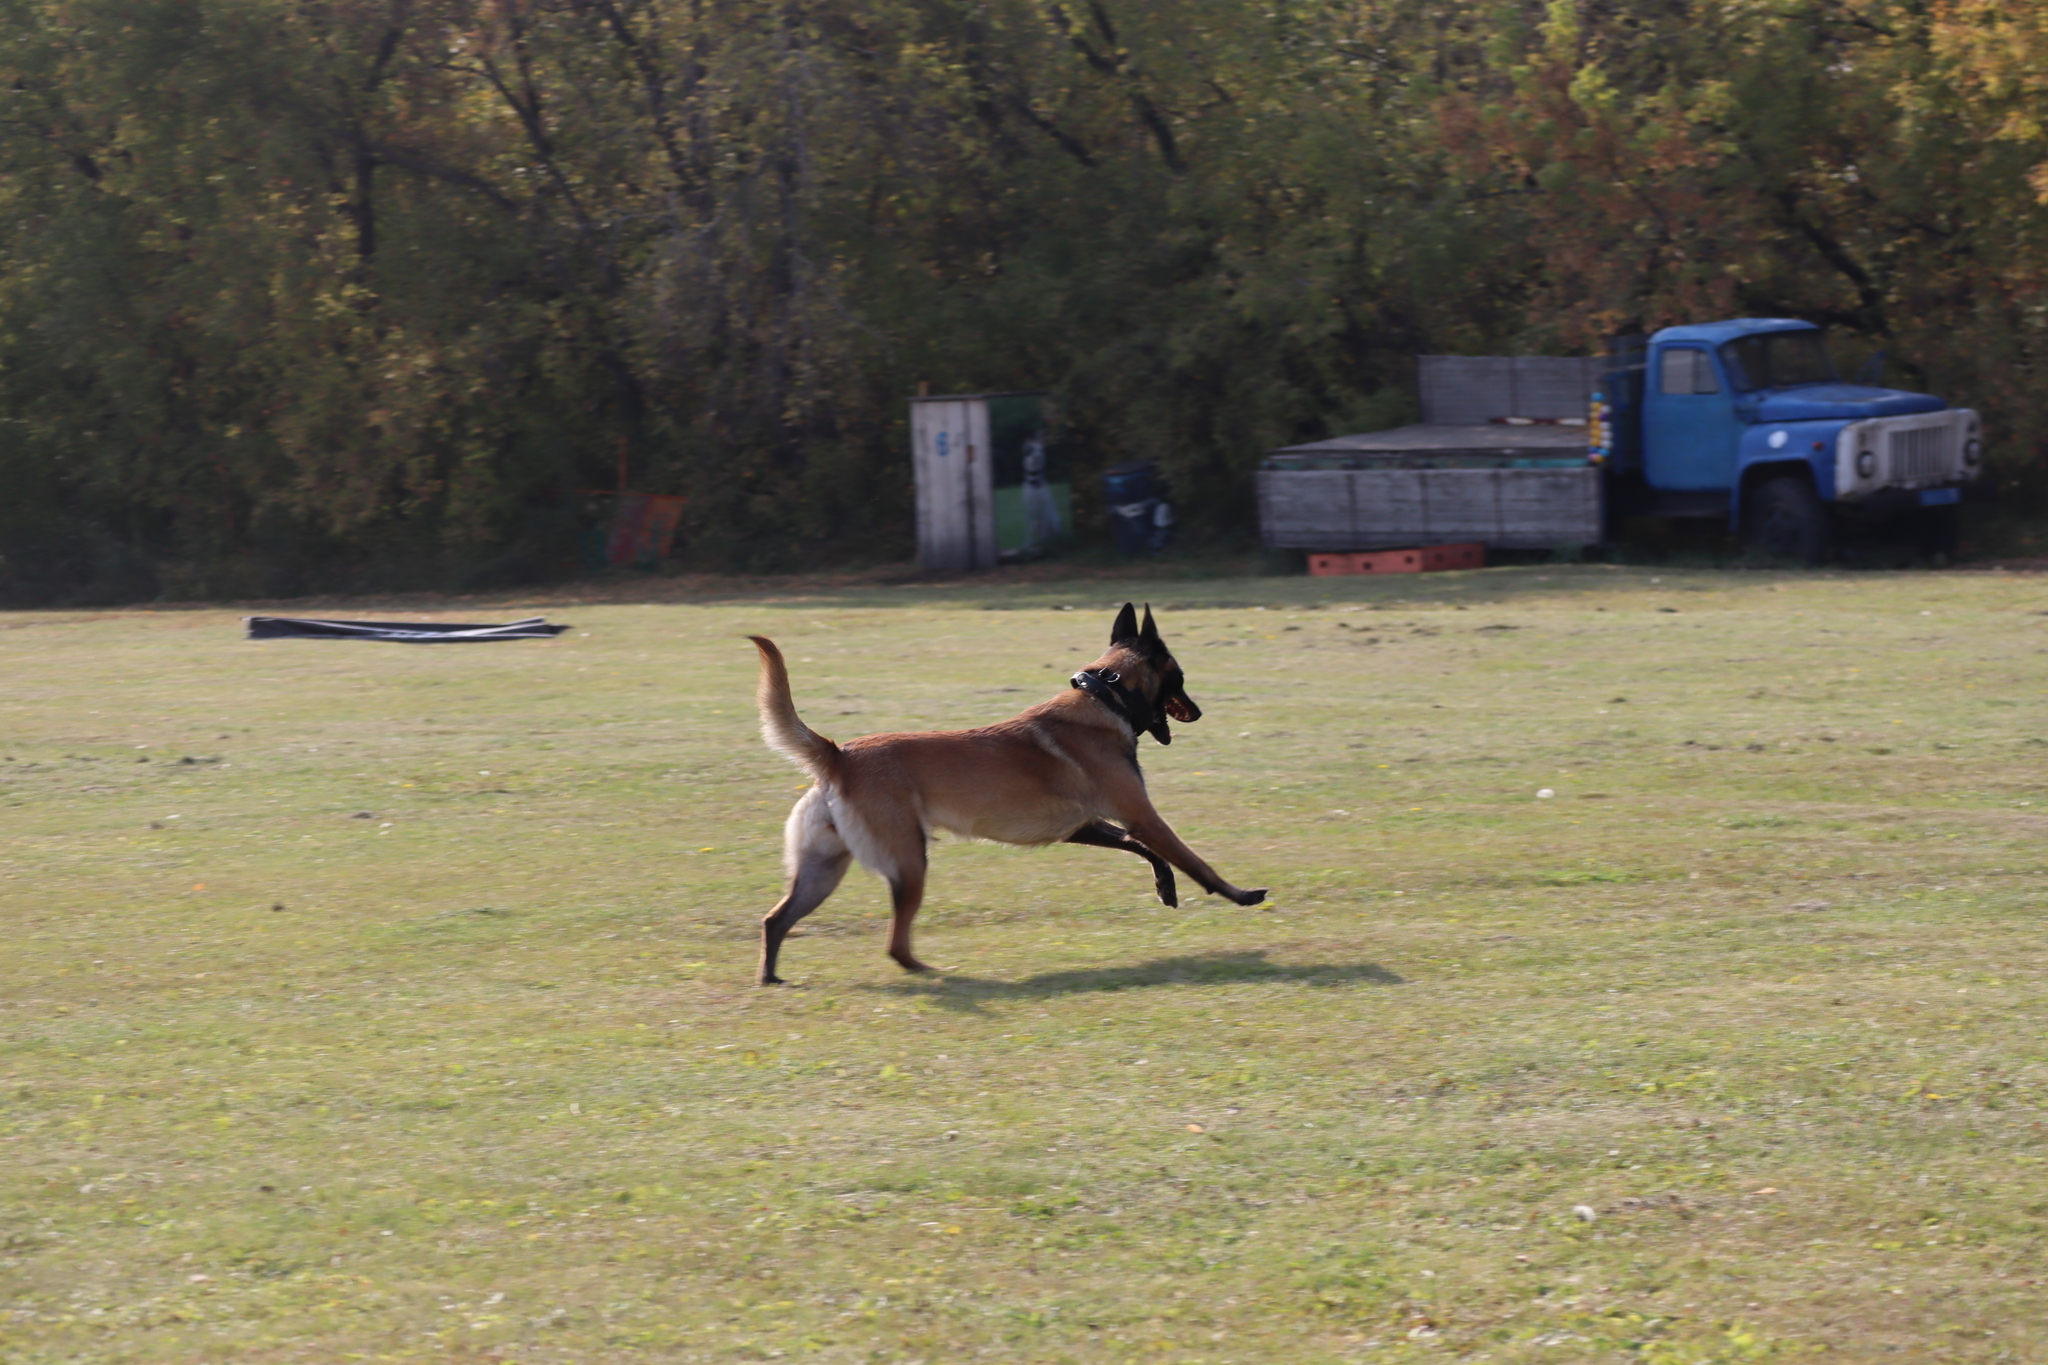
299,294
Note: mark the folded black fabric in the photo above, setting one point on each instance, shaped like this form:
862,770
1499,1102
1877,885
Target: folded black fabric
402,632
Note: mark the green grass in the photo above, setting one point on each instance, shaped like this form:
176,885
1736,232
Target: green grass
398,1006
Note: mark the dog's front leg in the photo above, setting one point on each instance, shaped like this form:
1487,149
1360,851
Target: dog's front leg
1102,834
1134,808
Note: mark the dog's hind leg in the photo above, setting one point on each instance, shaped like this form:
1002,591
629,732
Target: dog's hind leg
817,877
1102,834
817,858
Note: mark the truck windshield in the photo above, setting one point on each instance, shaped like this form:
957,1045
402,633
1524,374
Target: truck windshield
1777,360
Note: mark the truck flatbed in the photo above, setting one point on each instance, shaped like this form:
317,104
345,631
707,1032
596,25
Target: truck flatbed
1500,458
1428,445
1510,486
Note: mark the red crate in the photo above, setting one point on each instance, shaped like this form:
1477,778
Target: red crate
1390,561
1454,557
1428,559
1371,561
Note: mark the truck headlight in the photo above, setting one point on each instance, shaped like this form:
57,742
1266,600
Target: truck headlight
1973,453
1866,464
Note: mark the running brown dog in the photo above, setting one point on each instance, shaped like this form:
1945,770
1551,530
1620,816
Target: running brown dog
1061,771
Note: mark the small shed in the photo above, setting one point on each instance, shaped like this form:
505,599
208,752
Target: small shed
991,486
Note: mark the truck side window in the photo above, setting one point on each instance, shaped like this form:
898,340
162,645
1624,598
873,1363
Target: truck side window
1684,370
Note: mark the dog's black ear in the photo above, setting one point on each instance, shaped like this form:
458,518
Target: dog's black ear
1126,627
1148,631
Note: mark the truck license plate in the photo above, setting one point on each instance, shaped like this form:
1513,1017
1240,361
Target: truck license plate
1940,497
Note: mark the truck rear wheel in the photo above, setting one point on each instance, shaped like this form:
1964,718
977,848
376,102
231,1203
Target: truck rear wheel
1787,520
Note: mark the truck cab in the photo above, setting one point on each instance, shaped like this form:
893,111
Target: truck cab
1748,419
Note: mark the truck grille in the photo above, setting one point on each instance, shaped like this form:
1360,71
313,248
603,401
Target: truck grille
1922,452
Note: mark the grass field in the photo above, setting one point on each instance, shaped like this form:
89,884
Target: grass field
369,1002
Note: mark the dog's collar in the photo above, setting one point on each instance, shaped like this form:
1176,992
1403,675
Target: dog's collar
1129,706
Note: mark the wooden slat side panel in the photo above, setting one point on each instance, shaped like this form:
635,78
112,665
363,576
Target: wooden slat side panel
1554,386
1461,504
1402,508
1546,507
1306,509
1279,527
1465,390
1387,505
1476,389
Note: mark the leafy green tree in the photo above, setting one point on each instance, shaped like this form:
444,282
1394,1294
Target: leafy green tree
321,293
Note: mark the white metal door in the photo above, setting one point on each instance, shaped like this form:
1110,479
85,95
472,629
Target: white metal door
956,524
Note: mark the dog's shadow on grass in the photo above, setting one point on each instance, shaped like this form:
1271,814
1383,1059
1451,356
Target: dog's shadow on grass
957,991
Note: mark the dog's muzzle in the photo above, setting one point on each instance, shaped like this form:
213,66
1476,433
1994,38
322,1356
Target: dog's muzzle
1175,703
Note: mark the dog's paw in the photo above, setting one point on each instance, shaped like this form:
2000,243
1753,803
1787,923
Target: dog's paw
1250,897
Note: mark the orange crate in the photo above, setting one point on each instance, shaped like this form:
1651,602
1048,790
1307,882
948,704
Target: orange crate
1398,561
1389,561
1454,557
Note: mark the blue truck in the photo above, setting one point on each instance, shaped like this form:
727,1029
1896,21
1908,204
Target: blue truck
1745,421
1748,419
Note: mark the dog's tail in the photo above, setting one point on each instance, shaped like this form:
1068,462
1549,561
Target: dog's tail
781,727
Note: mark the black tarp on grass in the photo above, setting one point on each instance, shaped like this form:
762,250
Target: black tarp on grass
401,632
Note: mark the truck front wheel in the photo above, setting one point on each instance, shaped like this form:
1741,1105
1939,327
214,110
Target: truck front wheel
1787,520
1937,532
